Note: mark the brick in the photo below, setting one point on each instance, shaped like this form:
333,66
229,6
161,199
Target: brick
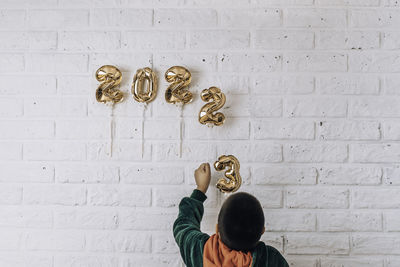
12,19
392,221
284,175
315,198
57,18
289,84
74,85
391,85
79,260
354,262
267,39
154,40
10,151
391,175
126,195
258,18
59,240
133,242
12,63
11,240
370,63
112,17
347,2
371,243
165,244
350,221
36,40
193,18
51,194
315,62
260,62
229,84
73,41
85,219
354,40
27,130
152,175
133,220
170,129
27,172
316,18
245,152
375,107
265,106
289,221
232,129
304,244
390,40
200,62
348,85
265,129
28,85
83,129
391,130
54,106
20,217
315,107
375,153
10,194
301,261
197,151
57,63
391,262
54,151
121,150
11,107
366,198
15,259
315,153
350,175
349,130
363,18
219,39
86,173
151,260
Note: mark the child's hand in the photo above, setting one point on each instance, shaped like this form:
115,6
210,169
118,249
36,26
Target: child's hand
202,175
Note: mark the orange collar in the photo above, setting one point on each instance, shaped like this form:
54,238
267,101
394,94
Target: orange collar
217,254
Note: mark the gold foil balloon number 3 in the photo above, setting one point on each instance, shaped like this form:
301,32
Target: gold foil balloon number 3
232,173
216,100
179,77
139,81
110,77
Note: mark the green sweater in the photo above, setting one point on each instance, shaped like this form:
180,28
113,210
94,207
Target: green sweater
191,240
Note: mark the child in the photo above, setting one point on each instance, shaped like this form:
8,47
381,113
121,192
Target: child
240,226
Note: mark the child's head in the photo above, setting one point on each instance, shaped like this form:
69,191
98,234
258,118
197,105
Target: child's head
241,222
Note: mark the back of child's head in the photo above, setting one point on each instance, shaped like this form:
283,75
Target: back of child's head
241,222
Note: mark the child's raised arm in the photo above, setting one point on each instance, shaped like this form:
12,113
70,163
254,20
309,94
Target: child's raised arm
187,226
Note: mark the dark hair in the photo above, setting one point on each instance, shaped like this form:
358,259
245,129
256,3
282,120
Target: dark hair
241,222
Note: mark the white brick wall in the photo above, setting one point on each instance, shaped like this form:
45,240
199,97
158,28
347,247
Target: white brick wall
313,114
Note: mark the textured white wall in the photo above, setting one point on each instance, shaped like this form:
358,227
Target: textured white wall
313,93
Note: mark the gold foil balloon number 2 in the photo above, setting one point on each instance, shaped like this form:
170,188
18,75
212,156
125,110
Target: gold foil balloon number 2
216,100
110,77
180,78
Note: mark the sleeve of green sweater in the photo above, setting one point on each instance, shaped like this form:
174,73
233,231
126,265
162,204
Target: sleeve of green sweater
187,229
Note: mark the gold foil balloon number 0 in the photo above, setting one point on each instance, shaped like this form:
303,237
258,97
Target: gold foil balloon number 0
139,81
216,100
110,77
180,78
232,180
